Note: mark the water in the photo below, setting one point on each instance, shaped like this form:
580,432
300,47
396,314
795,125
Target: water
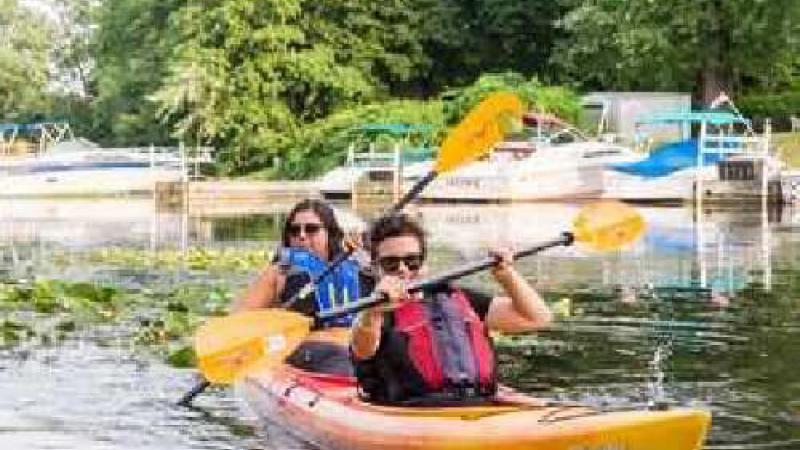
702,312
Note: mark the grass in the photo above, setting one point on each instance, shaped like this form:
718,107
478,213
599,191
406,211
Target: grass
788,145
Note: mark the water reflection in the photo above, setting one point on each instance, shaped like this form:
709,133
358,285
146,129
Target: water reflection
718,250
702,311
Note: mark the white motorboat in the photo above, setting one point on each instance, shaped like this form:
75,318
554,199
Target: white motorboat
369,161
551,160
78,167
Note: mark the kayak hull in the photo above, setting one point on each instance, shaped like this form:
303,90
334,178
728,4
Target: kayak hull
325,410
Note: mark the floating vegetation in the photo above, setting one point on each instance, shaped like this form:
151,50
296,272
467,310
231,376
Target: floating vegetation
165,321
157,321
194,258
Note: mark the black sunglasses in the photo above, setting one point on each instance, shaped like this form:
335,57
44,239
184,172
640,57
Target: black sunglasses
310,228
391,264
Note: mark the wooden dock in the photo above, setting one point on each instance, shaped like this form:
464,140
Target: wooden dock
222,197
742,192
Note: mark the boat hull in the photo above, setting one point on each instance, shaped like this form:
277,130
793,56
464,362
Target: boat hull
86,182
325,410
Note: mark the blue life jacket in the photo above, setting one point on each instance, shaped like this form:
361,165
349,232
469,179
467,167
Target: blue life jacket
338,288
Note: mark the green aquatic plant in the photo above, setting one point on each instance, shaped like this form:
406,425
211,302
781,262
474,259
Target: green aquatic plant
194,258
12,332
166,321
53,296
159,321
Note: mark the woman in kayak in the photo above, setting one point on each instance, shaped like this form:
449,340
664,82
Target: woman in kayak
311,239
434,348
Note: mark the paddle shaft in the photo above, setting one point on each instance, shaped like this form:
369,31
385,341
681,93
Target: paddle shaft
198,388
413,192
566,239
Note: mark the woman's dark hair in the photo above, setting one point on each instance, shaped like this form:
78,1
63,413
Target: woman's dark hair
326,216
395,225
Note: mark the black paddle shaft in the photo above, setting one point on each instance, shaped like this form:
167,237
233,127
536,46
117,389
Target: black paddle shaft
198,388
413,192
566,239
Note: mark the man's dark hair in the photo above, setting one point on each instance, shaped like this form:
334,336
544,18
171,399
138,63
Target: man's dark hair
326,216
395,225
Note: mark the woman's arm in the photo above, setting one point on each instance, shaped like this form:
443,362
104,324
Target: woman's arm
263,292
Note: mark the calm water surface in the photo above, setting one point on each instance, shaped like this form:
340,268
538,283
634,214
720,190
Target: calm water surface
701,312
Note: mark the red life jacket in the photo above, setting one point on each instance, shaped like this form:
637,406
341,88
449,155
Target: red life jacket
447,342
433,349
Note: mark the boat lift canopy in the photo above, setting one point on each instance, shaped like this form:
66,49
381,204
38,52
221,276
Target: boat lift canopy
709,117
673,156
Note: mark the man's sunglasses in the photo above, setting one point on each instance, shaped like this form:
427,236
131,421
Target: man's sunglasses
391,264
310,228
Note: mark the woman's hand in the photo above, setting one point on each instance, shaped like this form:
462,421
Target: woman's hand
353,241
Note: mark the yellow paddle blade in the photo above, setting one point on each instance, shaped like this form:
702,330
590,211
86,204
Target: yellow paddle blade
227,347
608,225
476,134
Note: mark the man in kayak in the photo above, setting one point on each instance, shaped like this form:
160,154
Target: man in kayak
311,238
433,348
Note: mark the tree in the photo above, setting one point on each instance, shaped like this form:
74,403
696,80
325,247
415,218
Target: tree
24,59
557,100
245,75
701,45
131,47
72,44
466,38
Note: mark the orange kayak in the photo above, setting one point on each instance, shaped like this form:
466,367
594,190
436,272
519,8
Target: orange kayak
325,410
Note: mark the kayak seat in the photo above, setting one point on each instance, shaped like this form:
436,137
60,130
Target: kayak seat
323,358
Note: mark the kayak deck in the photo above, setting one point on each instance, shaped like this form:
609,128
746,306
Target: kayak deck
325,410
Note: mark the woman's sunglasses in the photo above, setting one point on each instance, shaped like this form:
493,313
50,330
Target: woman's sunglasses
391,264
310,229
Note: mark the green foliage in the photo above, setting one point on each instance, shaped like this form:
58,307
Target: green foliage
45,311
12,332
246,77
318,147
24,46
195,258
53,296
162,322
673,44
776,106
788,145
558,100
466,38
273,84
131,48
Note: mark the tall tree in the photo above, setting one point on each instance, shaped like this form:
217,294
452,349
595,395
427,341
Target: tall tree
465,38
246,74
131,47
701,45
72,44
24,59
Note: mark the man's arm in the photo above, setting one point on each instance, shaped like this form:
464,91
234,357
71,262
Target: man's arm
366,334
522,309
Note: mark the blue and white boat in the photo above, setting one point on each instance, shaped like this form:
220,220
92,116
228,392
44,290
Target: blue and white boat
725,150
